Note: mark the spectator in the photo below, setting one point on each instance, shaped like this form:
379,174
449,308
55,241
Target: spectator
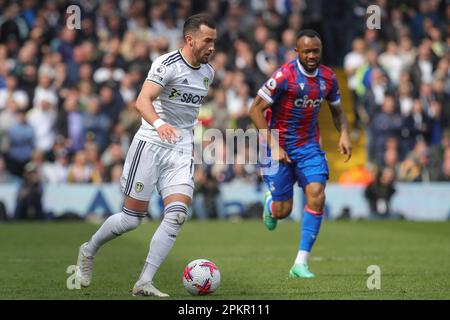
55,172
42,118
216,108
21,141
379,194
113,159
11,91
407,52
352,61
97,124
29,199
7,120
111,103
405,99
415,126
70,124
108,71
437,152
391,62
82,172
415,168
206,200
422,69
267,58
385,124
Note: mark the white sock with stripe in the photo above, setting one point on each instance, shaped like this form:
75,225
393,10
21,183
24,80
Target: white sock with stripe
113,227
163,240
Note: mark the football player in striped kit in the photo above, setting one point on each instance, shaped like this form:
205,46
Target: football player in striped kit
289,102
161,154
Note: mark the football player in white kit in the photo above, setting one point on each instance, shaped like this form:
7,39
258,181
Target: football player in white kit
161,154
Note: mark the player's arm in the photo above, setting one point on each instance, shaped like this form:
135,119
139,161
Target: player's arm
144,104
341,124
257,115
340,121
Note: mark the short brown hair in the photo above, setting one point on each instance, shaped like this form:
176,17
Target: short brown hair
193,23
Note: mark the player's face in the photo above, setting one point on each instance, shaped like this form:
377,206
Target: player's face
202,43
309,52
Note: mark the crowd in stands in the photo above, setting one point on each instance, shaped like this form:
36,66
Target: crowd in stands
67,96
399,79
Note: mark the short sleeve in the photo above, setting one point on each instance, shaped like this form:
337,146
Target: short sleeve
212,73
275,86
333,96
160,73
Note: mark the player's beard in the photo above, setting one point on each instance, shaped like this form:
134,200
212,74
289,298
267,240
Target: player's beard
308,68
202,57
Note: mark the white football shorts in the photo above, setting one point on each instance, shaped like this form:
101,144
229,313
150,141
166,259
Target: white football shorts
148,165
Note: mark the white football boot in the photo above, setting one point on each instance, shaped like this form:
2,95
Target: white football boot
148,290
84,267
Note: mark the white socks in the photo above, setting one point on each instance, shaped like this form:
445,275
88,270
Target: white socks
163,240
113,227
302,257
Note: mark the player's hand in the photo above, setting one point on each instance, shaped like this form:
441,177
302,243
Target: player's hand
345,146
278,154
167,133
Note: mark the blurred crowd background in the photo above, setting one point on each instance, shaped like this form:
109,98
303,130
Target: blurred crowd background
67,96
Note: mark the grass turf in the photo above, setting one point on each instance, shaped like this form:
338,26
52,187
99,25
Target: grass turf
414,259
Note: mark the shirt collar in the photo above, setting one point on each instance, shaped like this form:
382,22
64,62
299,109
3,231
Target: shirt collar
302,70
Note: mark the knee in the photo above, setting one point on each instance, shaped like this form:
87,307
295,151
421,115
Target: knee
316,199
175,215
282,210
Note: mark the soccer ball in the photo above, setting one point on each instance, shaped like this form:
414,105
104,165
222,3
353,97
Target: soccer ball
201,277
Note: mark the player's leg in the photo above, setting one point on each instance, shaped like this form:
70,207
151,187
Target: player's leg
176,187
137,183
312,218
175,214
117,224
313,175
278,199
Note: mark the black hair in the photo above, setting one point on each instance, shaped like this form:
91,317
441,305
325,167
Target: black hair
194,22
308,33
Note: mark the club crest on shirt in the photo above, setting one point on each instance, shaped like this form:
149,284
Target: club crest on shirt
322,85
206,82
139,186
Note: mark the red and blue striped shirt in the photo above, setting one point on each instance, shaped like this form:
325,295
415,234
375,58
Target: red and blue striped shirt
295,97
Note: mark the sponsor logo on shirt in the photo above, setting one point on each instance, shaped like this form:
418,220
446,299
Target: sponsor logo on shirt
307,103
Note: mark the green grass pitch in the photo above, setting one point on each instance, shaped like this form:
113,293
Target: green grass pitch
414,259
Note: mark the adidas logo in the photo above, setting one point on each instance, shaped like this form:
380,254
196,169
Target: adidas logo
185,81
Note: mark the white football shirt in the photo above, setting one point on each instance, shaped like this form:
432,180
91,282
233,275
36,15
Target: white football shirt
185,87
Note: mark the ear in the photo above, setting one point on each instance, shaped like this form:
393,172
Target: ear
188,39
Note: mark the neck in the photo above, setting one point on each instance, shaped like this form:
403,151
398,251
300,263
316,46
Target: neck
187,55
306,73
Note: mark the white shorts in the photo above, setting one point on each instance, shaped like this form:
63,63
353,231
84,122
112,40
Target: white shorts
148,165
